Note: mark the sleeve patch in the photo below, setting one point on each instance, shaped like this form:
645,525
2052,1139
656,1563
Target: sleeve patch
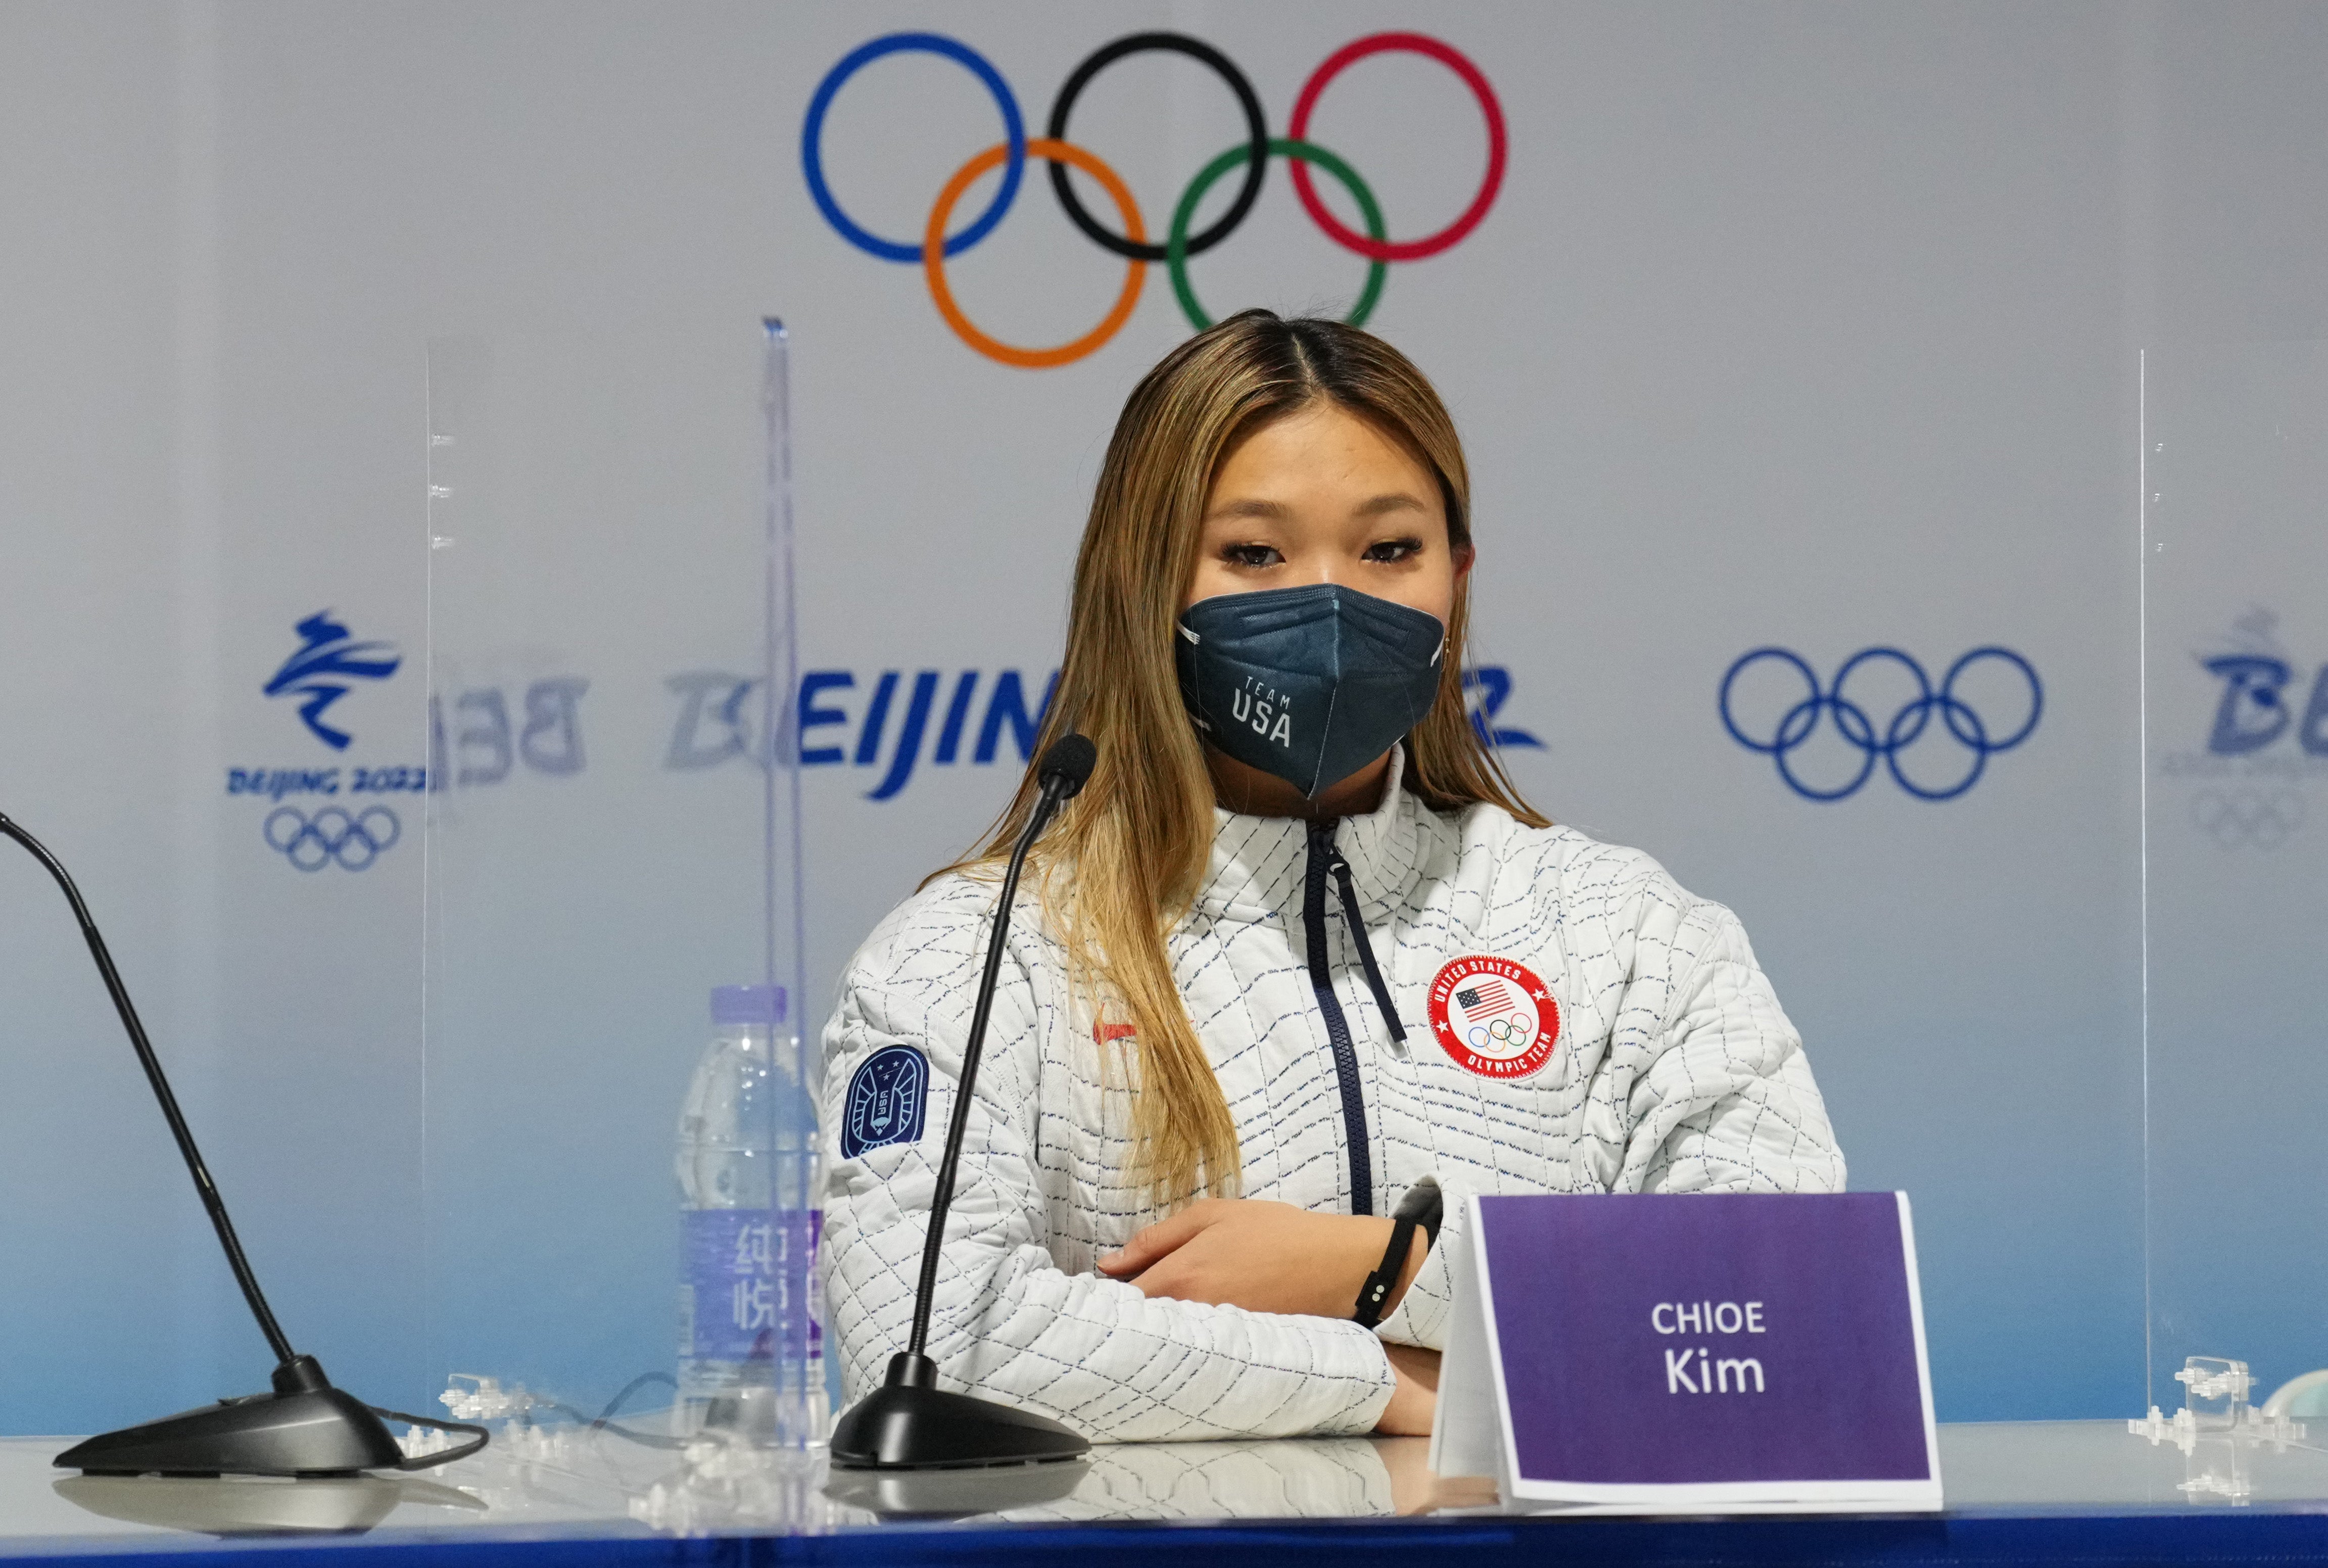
887,1097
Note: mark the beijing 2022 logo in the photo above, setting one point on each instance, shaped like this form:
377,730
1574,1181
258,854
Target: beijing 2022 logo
2267,738
1934,741
1133,243
359,824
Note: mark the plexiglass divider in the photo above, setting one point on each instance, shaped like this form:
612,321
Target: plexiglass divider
802,1414
2235,856
614,835
619,1130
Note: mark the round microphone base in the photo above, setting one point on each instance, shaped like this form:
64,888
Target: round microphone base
909,1424
324,1431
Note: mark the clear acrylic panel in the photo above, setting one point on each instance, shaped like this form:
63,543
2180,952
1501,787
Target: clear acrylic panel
607,845
2235,845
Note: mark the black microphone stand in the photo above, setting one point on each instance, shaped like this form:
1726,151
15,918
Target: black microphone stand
304,1426
909,1423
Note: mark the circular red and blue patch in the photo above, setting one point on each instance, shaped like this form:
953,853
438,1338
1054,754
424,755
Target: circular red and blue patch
1494,1016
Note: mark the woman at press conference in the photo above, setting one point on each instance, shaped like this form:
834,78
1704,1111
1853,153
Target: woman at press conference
1297,965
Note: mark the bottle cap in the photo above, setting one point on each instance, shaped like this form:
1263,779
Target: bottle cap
747,1004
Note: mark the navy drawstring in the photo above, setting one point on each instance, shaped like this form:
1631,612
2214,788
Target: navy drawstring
1341,869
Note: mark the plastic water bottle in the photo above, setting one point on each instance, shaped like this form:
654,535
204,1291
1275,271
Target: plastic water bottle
751,1351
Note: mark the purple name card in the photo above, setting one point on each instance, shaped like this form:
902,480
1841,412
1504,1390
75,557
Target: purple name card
1696,1350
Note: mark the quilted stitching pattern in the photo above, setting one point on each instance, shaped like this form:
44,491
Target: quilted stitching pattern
1677,1071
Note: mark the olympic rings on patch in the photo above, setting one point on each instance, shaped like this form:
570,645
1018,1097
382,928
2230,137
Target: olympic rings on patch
1511,1033
353,840
1376,249
1906,726
1178,248
1134,244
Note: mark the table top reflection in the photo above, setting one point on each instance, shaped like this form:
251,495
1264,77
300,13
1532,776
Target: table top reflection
552,1484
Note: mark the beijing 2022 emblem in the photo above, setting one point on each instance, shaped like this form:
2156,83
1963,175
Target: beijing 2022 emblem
1494,1016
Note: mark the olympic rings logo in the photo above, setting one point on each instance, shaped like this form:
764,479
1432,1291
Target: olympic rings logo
1909,725
1510,1033
352,841
2240,817
1134,244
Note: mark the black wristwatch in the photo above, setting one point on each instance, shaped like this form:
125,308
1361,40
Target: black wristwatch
1421,1206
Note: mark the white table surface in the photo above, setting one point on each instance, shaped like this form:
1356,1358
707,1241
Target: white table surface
545,1483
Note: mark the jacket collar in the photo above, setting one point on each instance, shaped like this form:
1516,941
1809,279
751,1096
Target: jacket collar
1258,863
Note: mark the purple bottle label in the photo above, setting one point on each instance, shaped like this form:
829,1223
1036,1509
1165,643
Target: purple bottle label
742,1265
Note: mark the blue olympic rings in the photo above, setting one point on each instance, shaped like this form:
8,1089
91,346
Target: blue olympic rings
2248,816
812,136
351,838
1906,726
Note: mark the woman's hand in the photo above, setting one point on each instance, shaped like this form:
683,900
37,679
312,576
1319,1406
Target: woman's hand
1266,1257
1273,1257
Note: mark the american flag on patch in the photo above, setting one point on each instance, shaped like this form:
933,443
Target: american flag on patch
1487,994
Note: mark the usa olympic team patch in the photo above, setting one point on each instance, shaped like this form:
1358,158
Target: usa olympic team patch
1494,1016
887,1098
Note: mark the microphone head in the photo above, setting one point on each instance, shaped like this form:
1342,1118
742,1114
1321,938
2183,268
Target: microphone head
1067,766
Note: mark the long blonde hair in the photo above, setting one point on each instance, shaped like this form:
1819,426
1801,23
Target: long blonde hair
1124,862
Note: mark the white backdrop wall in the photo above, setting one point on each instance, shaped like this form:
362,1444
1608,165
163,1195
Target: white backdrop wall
1791,325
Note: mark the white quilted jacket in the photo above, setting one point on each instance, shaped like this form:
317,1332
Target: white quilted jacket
1672,1070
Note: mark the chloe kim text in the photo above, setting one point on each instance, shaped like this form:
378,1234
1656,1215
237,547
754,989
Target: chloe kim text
1691,1369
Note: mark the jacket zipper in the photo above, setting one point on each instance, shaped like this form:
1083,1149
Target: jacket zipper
1325,860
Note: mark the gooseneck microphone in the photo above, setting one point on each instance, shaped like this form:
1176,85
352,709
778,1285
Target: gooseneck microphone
909,1423
304,1427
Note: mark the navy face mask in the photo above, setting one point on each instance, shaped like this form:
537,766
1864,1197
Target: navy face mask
1309,683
